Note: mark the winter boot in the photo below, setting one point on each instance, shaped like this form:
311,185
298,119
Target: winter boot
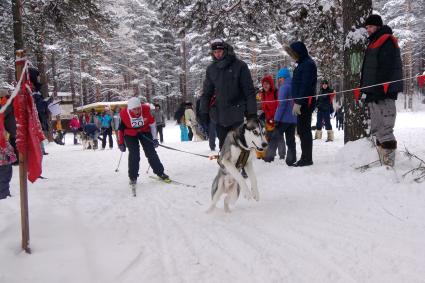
291,157
318,135
330,136
164,177
387,153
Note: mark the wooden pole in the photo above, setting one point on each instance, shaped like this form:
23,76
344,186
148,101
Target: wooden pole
23,167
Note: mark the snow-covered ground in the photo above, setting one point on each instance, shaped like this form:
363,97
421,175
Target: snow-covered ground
324,223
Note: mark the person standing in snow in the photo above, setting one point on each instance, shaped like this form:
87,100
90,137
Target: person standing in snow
228,92
324,111
159,116
75,125
7,158
303,92
138,126
285,121
339,115
269,103
192,123
381,64
179,117
106,123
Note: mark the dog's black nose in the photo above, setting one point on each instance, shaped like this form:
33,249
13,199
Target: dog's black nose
264,144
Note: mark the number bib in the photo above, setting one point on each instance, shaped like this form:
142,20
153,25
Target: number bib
136,122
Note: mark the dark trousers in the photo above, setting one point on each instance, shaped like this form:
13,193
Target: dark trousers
132,144
277,137
223,131
323,116
159,130
107,132
190,135
5,177
304,131
212,134
339,122
280,145
75,131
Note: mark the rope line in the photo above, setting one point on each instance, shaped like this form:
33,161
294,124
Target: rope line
17,88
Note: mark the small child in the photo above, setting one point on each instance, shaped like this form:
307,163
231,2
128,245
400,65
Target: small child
7,157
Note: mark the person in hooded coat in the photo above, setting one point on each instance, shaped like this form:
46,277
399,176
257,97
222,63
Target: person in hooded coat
269,104
228,91
303,92
382,63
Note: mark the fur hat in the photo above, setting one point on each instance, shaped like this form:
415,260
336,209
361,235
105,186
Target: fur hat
374,20
133,102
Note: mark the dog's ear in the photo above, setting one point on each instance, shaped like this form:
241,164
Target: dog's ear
252,124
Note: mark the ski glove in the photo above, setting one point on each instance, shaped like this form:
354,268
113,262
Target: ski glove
122,147
296,110
155,143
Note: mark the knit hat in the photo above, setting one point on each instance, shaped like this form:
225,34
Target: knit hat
283,73
325,82
374,20
217,44
133,102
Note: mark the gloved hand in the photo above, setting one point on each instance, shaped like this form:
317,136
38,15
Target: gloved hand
155,143
122,147
296,110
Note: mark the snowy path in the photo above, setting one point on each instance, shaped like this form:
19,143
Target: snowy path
326,223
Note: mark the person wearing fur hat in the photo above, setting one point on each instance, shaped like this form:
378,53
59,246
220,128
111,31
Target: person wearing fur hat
228,91
381,64
138,126
324,111
303,92
269,105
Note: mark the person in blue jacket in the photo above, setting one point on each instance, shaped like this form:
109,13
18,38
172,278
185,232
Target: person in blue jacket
304,83
106,123
285,121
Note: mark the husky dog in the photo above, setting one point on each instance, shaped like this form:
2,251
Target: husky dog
237,153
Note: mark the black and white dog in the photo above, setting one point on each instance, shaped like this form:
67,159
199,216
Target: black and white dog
237,153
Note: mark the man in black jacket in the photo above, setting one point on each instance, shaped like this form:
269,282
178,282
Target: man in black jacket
382,64
228,92
303,91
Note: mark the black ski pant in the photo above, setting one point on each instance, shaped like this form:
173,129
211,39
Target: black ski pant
212,134
132,144
277,137
190,135
223,131
304,131
107,132
159,130
5,177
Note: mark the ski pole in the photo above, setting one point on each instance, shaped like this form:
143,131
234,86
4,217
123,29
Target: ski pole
119,162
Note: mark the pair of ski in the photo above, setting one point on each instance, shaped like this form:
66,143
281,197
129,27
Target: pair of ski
167,181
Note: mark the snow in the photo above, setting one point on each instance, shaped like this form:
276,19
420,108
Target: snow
324,223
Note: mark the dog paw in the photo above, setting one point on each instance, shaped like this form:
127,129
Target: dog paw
247,194
255,195
226,208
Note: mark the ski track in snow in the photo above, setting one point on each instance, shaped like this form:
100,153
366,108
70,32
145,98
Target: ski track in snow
325,223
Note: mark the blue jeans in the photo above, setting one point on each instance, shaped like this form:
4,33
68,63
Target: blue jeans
323,116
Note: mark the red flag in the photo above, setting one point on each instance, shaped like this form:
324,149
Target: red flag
386,85
421,80
2,133
310,99
28,134
357,94
332,95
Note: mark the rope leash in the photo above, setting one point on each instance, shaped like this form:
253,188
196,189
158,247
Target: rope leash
342,91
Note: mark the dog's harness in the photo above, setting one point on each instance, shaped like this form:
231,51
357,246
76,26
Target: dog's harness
245,150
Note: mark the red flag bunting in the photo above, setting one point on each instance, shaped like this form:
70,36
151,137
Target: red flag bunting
2,132
332,96
29,134
421,80
357,94
310,99
386,85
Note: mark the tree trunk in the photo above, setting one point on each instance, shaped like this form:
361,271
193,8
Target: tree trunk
18,28
71,74
54,78
354,13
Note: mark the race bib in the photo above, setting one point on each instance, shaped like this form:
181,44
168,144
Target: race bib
136,122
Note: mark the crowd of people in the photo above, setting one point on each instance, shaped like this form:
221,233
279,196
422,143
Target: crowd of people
228,98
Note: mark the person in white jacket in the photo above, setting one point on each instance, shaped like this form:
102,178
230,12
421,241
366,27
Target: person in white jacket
192,123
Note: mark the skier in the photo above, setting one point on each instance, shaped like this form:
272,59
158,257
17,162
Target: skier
324,111
303,91
106,122
285,121
159,116
138,126
269,105
228,92
382,63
